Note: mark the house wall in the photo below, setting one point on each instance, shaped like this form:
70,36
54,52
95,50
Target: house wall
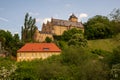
28,56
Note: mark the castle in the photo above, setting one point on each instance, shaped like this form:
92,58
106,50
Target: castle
57,27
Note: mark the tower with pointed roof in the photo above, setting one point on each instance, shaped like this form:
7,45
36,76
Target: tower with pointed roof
73,18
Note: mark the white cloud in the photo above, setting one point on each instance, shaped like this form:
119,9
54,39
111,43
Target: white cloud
83,15
16,32
38,20
3,19
34,14
46,19
43,20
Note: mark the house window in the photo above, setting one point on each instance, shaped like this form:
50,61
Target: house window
32,54
19,54
46,49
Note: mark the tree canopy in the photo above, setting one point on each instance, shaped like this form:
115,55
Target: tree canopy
98,27
28,29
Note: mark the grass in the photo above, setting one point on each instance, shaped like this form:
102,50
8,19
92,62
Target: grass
104,44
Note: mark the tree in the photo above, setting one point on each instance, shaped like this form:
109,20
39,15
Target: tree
28,29
67,34
16,37
10,43
48,40
98,27
77,40
115,15
115,20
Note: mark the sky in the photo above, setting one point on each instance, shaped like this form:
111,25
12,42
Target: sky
12,12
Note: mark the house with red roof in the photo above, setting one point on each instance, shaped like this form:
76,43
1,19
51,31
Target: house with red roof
32,51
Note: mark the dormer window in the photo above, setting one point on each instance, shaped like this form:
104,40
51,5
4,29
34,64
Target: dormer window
46,49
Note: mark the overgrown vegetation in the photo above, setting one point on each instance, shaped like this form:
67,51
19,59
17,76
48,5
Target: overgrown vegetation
81,59
10,43
73,64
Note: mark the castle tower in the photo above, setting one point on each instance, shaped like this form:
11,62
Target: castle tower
36,35
73,18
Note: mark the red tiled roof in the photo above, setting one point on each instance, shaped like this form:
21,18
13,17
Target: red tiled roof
39,47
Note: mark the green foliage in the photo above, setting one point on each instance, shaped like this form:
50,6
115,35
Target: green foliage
48,40
102,44
115,72
7,68
56,37
83,65
77,40
6,38
72,56
98,27
52,71
73,64
115,20
115,27
115,56
67,34
10,43
62,44
28,29
25,70
117,39
101,52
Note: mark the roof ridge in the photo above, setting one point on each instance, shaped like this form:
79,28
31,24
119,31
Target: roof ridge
39,46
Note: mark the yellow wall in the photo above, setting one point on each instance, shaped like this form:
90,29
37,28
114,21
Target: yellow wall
40,37
74,20
58,30
28,56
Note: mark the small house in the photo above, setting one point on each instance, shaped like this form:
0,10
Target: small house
32,51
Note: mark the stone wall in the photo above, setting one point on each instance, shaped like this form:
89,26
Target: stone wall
40,37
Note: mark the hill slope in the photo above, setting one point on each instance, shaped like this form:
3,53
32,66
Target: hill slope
104,44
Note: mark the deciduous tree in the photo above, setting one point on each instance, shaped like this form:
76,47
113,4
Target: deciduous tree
28,29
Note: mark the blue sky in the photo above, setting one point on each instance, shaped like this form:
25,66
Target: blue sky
12,12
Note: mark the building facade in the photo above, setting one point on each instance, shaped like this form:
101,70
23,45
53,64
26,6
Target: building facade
57,27
32,51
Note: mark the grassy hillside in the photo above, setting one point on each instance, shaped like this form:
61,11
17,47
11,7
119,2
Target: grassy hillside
104,44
